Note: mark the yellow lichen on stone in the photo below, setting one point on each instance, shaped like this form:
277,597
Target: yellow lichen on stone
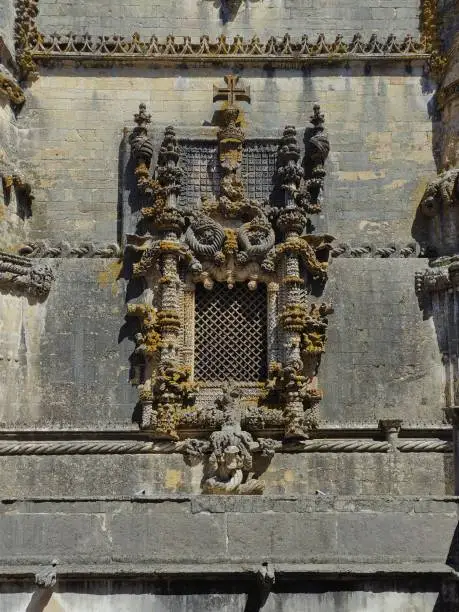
110,275
173,480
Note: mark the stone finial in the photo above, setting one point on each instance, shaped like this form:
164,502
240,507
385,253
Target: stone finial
141,144
142,118
317,118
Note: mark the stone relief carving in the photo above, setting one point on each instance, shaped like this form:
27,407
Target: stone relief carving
10,88
38,47
230,461
229,238
439,209
443,191
20,274
42,248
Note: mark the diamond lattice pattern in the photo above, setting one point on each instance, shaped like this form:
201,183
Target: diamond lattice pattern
230,333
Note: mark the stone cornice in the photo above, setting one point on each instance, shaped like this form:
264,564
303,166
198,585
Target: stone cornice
179,50
18,273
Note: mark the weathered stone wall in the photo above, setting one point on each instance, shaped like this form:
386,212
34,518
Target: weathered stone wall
64,358
379,125
287,474
7,15
68,357
66,362
194,18
93,537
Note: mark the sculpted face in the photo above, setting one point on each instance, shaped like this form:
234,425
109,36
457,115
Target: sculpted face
429,203
206,236
257,237
232,458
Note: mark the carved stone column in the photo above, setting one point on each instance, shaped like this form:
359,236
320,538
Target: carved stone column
291,222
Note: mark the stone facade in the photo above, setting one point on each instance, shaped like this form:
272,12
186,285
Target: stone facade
278,177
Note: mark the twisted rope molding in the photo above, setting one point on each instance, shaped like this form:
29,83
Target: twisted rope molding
70,447
368,250
424,446
86,46
20,274
42,248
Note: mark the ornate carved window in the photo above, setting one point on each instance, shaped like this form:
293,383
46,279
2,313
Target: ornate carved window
230,340
230,333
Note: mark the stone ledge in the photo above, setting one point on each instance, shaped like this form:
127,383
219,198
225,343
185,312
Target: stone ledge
298,532
234,570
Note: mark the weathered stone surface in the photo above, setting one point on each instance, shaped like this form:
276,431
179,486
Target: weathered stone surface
130,533
346,531
382,358
379,127
35,538
195,18
287,475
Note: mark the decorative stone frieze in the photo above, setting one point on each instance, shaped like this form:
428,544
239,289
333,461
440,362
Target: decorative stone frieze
20,274
43,248
344,249
279,51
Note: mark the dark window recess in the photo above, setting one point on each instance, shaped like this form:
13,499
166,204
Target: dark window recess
230,333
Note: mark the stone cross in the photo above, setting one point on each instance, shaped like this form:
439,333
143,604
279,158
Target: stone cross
231,93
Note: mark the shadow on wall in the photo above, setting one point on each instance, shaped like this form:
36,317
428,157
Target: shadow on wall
448,598
40,600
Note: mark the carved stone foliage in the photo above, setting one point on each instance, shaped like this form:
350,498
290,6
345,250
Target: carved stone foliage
229,239
20,274
26,37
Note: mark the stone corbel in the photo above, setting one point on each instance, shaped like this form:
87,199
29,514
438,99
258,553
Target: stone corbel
46,578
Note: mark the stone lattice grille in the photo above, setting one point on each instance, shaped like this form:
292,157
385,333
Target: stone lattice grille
201,175
199,162
230,333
